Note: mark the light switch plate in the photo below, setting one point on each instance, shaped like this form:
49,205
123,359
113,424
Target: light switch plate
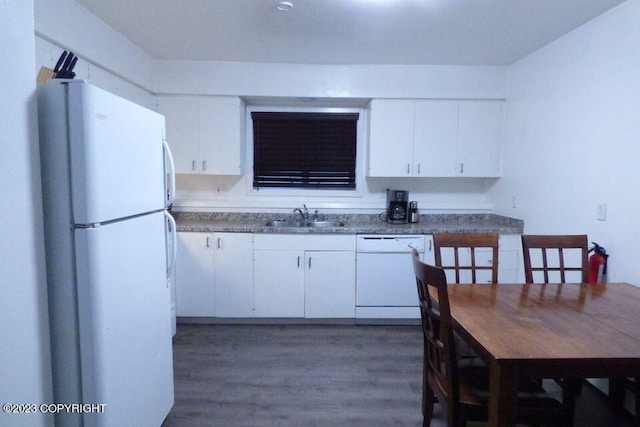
602,212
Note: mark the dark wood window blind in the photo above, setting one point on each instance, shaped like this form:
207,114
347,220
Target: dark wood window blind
304,150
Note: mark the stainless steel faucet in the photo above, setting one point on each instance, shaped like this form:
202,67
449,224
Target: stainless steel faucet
304,213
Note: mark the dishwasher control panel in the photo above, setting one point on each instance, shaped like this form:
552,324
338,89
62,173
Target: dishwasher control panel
389,243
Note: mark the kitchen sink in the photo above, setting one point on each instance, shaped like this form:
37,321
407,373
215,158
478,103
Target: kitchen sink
284,223
311,224
325,224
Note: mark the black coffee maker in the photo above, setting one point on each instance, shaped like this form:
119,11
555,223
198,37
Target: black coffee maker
397,206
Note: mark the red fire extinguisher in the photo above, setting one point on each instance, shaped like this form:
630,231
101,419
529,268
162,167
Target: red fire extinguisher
597,263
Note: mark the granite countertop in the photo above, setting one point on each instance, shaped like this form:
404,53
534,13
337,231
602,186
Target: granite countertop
354,224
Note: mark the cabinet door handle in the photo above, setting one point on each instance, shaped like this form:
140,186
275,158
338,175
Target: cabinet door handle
418,168
461,167
193,165
204,165
309,263
408,168
219,243
298,261
208,243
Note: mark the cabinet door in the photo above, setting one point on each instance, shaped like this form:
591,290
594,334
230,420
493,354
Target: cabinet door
278,283
330,289
220,121
195,280
480,138
234,274
510,263
391,138
435,146
181,117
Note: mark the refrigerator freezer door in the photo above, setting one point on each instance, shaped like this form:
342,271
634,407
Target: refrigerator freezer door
125,324
116,155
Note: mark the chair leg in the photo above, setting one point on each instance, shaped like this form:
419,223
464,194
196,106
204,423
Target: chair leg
616,393
570,389
427,394
427,408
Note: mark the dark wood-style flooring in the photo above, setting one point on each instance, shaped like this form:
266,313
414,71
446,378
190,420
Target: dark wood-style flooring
310,375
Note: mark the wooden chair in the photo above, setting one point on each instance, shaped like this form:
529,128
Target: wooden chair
559,245
556,268
459,255
467,243
463,390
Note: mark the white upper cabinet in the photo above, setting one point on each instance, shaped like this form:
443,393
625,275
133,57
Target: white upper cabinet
181,123
480,138
221,122
435,144
391,138
205,133
435,138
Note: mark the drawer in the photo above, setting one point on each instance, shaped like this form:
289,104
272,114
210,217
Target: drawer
311,242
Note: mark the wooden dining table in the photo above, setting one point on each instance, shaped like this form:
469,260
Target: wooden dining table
548,331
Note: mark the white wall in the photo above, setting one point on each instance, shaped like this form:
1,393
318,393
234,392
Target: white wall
338,81
48,52
105,58
573,138
71,26
25,371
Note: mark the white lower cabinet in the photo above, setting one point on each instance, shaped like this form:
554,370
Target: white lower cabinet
278,283
510,267
195,277
233,274
214,275
329,285
304,276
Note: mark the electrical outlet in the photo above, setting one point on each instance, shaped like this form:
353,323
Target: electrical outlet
601,214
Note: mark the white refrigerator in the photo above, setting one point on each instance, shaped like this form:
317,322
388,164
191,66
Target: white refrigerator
107,178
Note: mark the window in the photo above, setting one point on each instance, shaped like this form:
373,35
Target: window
304,150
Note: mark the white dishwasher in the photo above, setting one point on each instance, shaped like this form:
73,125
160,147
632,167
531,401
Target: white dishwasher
385,283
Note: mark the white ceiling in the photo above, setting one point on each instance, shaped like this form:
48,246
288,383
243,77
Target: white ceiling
454,32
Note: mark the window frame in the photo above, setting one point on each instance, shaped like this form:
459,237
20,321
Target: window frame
306,192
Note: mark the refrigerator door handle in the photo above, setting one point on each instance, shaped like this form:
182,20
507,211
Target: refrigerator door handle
171,191
174,250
